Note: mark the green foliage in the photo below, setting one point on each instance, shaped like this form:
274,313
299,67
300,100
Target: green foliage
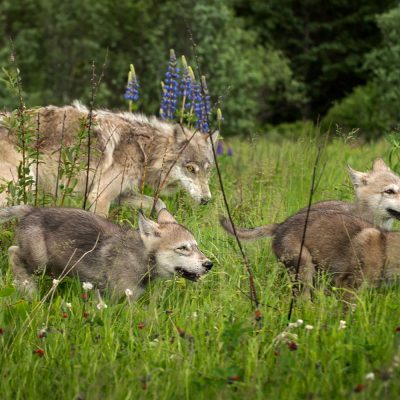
361,110
201,340
325,41
373,108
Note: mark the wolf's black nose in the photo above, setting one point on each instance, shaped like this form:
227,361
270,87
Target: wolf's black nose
207,265
204,201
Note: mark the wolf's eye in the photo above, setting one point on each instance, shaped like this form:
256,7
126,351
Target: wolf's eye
183,248
390,191
191,169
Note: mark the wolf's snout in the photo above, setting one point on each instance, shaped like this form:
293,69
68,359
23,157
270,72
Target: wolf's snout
207,265
204,200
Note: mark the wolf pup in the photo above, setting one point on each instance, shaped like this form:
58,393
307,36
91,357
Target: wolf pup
127,150
62,241
349,248
377,201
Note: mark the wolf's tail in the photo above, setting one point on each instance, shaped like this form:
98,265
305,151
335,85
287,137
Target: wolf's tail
9,213
248,234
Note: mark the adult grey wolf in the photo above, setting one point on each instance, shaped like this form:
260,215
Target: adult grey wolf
65,241
128,150
351,249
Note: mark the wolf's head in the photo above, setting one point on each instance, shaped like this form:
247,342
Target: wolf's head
192,170
174,247
378,193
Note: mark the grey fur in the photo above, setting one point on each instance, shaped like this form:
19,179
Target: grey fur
105,254
127,150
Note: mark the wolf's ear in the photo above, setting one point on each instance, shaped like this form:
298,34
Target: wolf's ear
180,133
147,227
213,136
165,217
379,165
358,178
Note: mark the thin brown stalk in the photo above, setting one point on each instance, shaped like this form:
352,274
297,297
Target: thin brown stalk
59,158
310,199
37,158
253,291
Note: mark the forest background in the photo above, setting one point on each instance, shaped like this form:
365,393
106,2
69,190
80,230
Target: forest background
274,66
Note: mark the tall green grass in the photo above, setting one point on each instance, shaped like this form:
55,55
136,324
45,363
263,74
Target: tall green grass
185,340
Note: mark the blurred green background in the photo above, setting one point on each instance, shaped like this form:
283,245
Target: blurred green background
271,63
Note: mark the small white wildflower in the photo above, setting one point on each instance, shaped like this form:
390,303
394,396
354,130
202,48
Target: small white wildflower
370,376
68,305
309,327
87,286
56,282
194,314
128,292
299,322
342,324
101,305
292,325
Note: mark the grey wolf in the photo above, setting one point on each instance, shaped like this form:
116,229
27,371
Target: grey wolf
128,150
62,241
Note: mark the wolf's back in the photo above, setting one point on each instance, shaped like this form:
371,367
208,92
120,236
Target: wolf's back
9,213
252,233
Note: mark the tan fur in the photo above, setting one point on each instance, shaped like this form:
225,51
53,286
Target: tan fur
373,203
349,248
127,150
72,242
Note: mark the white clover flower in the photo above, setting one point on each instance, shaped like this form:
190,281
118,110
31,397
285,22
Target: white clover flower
342,324
299,322
128,292
309,327
68,305
56,282
101,305
370,376
87,286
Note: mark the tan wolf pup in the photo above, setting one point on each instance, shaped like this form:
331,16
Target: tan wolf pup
349,248
127,150
74,242
377,202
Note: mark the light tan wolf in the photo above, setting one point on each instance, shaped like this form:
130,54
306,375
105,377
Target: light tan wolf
349,248
128,150
65,241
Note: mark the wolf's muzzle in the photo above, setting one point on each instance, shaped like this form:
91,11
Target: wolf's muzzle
207,265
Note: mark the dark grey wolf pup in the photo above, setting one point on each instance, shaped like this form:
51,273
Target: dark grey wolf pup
65,241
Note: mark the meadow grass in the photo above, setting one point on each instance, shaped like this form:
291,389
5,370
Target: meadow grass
185,340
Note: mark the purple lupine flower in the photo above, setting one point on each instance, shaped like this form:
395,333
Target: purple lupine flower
230,151
170,89
204,109
132,87
220,148
187,85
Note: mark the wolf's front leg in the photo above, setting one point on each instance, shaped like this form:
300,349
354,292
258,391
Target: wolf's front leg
138,200
23,279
